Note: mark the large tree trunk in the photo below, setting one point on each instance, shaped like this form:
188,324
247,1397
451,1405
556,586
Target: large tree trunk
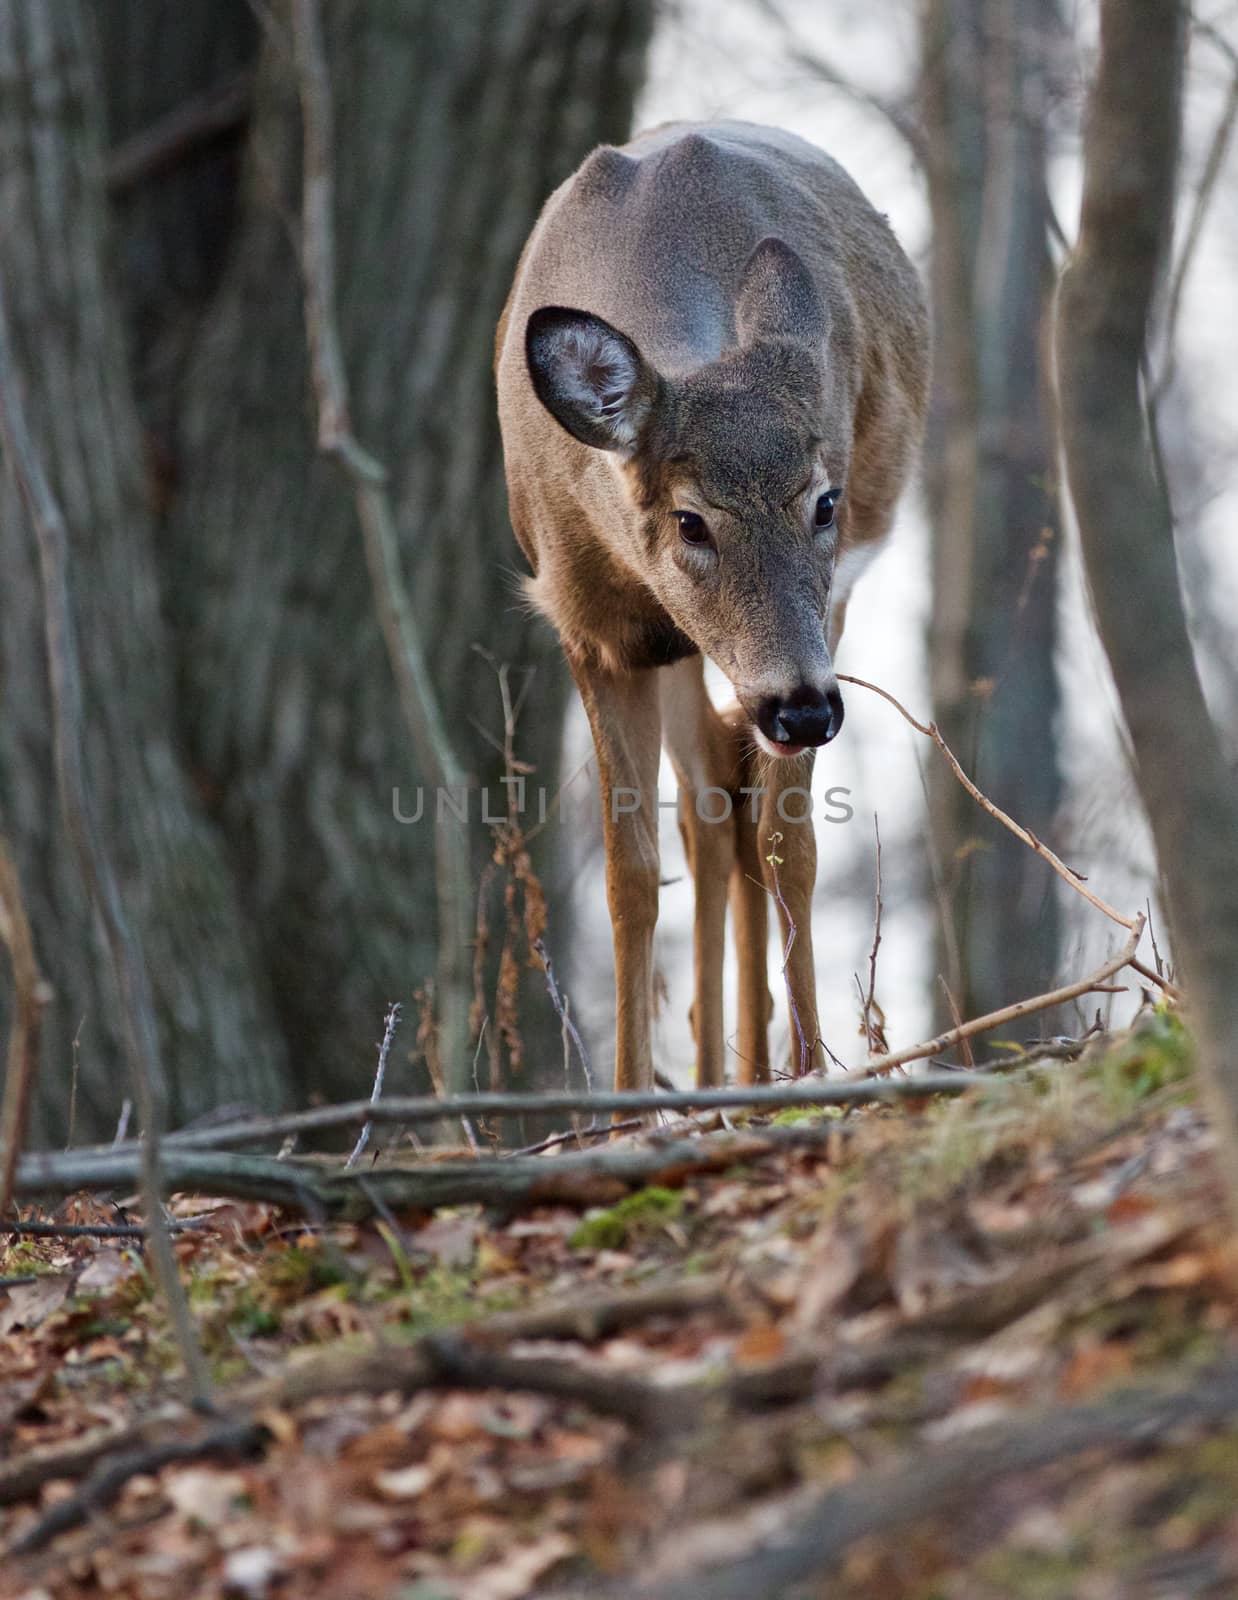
216,1020
452,125
1125,524
991,495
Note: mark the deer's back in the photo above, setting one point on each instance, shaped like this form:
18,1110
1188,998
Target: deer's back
654,235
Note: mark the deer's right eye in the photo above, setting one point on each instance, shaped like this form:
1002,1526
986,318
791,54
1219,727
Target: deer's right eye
692,529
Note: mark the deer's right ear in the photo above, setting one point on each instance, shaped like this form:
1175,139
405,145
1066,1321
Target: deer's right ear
590,377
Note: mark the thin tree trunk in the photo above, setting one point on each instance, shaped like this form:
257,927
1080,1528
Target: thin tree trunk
217,1035
990,472
1105,300
452,124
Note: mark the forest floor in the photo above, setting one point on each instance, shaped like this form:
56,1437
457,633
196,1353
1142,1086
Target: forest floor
983,1348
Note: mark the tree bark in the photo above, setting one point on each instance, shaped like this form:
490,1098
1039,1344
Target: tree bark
172,230
1105,302
991,495
452,125
217,1032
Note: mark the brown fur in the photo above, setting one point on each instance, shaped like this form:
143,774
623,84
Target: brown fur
742,333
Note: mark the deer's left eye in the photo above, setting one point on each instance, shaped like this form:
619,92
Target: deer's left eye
692,529
826,506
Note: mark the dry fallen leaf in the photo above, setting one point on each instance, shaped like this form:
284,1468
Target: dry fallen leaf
449,1240
759,1344
513,1576
206,1495
29,1304
405,1483
106,1269
252,1571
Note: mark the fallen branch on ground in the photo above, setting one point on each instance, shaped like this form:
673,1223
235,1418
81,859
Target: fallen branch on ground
228,1440
91,1230
581,1178
377,1371
803,1092
467,1359
1095,982
932,1485
437,1361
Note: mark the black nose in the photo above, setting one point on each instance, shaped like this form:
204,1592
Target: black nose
805,716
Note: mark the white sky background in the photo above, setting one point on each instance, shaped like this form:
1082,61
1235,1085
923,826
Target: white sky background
726,59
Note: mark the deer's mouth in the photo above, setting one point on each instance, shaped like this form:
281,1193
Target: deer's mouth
780,751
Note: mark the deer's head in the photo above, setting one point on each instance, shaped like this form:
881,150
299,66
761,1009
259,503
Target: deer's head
737,474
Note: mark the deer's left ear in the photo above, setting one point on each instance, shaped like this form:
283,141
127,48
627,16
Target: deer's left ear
778,299
590,377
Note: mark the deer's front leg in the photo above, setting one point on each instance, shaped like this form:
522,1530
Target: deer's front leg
787,844
700,747
626,723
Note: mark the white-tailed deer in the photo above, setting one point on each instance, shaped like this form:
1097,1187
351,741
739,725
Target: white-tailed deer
712,374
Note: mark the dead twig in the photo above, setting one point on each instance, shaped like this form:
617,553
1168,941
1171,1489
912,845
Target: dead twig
1214,165
30,995
216,113
1068,875
597,1316
92,1230
137,1014
228,1440
871,1016
956,1016
559,1002
896,115
418,700
1021,1008
578,1136
416,1109
384,1050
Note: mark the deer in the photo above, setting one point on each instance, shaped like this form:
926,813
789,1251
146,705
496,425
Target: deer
712,375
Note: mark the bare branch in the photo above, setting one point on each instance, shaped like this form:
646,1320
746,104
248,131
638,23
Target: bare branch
508,1185
1213,167
217,112
228,1439
570,1030
1067,874
873,1020
418,700
868,1089
30,994
957,1015
893,111
384,1050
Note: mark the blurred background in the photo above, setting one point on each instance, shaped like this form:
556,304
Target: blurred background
244,736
